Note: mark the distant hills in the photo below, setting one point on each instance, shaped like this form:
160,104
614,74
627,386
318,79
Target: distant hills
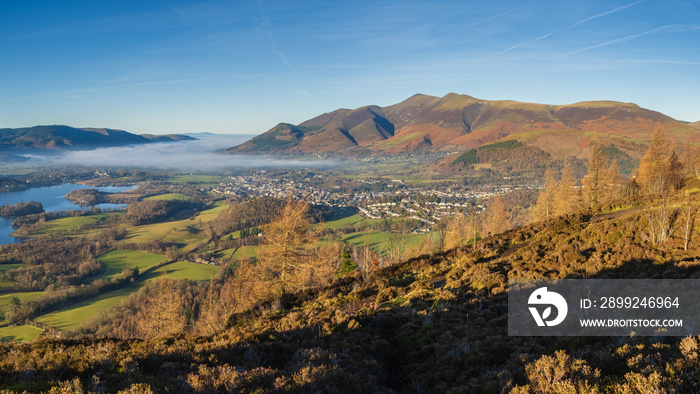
66,137
457,123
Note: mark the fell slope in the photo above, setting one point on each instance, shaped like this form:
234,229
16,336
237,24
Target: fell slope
436,323
456,122
66,137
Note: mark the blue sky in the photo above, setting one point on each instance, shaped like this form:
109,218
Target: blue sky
243,66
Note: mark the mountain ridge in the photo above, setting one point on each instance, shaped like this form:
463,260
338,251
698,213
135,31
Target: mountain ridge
456,123
56,137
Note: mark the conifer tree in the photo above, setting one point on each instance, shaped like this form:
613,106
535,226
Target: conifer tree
594,181
289,257
497,220
346,263
546,199
652,175
567,198
613,182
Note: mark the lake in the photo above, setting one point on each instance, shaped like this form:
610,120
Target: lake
52,198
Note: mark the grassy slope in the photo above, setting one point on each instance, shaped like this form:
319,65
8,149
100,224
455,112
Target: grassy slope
187,233
117,260
81,312
77,314
4,285
19,333
169,196
22,296
74,225
185,270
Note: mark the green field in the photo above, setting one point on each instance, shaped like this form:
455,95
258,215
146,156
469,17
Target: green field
76,225
186,234
81,312
5,285
378,240
343,219
169,196
19,333
117,260
22,296
77,314
185,270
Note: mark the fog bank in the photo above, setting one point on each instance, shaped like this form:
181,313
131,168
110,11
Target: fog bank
199,155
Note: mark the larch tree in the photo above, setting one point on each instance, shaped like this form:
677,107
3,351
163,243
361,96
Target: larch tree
546,199
497,218
291,258
652,174
594,181
613,182
674,170
690,160
567,199
162,314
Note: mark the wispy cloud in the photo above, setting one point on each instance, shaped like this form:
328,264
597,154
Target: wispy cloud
484,21
621,39
582,21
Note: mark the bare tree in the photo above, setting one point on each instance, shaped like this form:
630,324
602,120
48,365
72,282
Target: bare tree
395,247
660,223
688,213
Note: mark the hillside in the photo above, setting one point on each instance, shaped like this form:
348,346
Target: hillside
435,323
424,124
66,137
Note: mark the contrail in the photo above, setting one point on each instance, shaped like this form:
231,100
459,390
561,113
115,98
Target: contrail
633,36
528,42
484,20
574,25
608,12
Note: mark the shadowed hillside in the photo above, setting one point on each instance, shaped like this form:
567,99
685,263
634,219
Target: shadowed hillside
66,137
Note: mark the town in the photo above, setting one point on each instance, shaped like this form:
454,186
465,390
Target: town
374,198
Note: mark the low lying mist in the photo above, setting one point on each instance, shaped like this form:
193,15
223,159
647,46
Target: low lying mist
199,155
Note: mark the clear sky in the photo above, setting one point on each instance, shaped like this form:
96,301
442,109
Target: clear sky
231,66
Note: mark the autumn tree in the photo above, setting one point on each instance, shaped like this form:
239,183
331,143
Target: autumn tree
567,198
291,257
613,182
547,198
461,228
162,314
691,165
660,167
497,218
594,181
237,292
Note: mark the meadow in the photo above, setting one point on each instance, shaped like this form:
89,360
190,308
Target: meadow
117,260
79,313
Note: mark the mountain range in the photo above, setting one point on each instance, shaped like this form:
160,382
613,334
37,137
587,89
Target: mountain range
66,137
456,123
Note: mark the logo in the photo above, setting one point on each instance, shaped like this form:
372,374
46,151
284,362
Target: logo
543,297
